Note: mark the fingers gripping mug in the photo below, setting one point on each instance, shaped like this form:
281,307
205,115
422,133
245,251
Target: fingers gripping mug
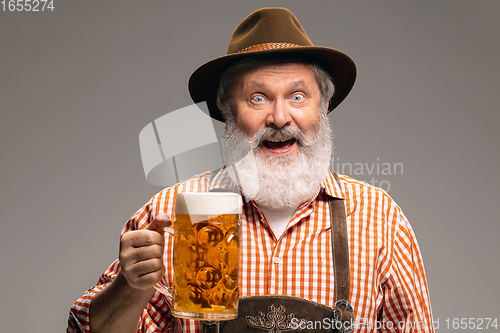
206,255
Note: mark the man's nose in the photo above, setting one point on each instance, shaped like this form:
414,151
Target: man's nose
279,115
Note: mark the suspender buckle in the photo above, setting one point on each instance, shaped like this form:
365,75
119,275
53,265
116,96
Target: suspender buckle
343,321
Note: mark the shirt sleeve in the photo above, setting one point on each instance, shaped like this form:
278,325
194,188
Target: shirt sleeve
406,300
156,317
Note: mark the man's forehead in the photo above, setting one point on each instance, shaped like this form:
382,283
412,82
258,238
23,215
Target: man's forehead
266,67
295,74
296,83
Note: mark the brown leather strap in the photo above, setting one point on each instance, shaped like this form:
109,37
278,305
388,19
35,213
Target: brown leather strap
340,247
340,253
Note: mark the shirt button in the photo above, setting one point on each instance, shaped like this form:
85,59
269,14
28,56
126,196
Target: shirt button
276,260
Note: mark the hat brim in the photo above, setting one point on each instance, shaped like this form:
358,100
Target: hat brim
204,81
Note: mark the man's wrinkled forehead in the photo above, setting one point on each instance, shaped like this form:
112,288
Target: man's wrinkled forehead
258,85
240,82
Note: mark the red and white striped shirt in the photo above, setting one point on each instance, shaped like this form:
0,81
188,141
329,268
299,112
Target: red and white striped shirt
386,268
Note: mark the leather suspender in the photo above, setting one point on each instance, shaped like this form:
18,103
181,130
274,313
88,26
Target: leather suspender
340,247
343,311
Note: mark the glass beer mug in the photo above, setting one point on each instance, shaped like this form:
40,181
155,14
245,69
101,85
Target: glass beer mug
206,255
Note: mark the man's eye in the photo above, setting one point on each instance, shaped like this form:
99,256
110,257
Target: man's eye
258,99
297,97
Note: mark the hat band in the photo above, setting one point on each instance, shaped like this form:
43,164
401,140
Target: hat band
267,46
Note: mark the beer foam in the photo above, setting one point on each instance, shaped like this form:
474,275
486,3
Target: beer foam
210,203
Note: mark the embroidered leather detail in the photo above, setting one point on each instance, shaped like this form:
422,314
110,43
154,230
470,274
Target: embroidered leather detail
276,320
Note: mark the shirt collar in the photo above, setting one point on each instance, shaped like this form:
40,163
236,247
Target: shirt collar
332,187
220,180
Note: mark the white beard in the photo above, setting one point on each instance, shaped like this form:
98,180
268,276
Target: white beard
278,182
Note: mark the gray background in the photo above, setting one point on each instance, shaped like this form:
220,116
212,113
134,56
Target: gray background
78,84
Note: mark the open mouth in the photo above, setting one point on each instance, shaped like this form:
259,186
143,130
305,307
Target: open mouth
279,145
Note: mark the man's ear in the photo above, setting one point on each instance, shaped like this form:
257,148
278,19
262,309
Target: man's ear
224,113
327,104
222,108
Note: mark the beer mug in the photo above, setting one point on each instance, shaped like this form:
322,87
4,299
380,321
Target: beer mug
206,255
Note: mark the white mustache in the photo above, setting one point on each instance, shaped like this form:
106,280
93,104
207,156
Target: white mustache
278,135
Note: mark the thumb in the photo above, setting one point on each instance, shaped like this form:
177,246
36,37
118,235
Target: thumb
160,221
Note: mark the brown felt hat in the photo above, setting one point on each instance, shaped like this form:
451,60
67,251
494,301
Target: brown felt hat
271,31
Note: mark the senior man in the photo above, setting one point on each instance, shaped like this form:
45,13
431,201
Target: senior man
274,89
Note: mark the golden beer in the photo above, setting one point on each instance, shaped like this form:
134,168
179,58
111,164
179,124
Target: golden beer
206,256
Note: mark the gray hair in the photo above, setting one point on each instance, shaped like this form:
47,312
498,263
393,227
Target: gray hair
234,73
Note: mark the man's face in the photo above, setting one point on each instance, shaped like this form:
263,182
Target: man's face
276,119
276,97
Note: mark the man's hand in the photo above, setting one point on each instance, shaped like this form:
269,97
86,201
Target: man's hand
118,307
141,254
